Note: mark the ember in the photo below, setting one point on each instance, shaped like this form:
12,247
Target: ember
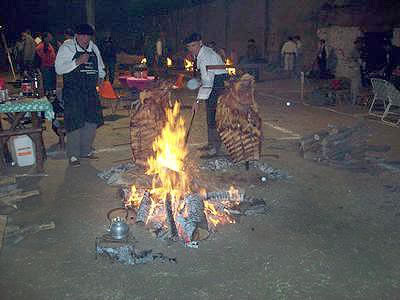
172,204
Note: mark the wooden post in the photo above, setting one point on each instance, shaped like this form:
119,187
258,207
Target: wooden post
227,24
266,27
302,86
90,12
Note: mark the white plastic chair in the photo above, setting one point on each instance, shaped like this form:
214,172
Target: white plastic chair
380,96
393,96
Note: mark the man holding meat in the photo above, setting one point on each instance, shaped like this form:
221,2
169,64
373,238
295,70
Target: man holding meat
212,83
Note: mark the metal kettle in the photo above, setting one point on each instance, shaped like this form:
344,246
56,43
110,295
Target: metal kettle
118,229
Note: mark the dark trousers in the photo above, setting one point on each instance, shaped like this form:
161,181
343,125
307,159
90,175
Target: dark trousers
80,141
211,107
322,64
110,71
49,78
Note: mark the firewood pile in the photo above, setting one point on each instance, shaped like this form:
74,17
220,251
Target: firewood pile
238,121
196,220
147,121
12,198
340,145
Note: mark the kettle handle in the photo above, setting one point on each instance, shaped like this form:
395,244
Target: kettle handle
116,209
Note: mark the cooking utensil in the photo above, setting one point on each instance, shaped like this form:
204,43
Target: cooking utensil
118,228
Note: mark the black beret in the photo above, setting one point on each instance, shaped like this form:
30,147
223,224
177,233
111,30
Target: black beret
84,29
194,37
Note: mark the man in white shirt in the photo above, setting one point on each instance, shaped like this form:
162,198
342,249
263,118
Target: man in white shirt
80,63
289,52
212,83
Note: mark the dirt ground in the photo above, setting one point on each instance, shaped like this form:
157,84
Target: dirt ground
331,233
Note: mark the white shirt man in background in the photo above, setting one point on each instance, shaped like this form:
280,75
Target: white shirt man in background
289,52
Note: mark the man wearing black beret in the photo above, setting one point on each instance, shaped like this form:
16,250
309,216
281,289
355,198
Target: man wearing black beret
80,63
212,82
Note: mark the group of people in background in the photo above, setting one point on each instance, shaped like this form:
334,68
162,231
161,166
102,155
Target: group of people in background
38,53
292,55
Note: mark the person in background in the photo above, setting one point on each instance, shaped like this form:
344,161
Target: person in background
355,71
45,51
220,51
299,55
68,35
392,62
322,57
161,51
289,53
28,51
212,83
80,63
18,55
149,51
109,54
234,57
252,51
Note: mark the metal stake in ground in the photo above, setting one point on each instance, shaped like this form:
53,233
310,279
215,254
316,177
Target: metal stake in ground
190,124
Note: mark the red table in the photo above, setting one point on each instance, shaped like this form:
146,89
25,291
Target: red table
138,83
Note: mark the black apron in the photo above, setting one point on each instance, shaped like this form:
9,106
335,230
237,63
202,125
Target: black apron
81,101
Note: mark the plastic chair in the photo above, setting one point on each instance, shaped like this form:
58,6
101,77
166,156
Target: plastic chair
393,96
380,96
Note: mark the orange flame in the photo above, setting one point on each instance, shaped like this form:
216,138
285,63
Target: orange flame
170,177
214,216
134,199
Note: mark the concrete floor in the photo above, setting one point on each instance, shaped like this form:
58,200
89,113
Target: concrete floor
332,233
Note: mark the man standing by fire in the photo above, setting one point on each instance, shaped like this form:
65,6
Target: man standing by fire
80,63
212,83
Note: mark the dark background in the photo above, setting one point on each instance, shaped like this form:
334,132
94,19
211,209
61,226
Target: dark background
56,15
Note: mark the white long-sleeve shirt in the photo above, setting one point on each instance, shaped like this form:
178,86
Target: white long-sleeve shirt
208,57
64,62
289,47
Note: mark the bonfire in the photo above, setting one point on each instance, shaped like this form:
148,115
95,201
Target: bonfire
174,205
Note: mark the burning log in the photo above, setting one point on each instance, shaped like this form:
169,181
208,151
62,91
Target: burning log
144,208
195,206
238,121
173,232
225,196
194,226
